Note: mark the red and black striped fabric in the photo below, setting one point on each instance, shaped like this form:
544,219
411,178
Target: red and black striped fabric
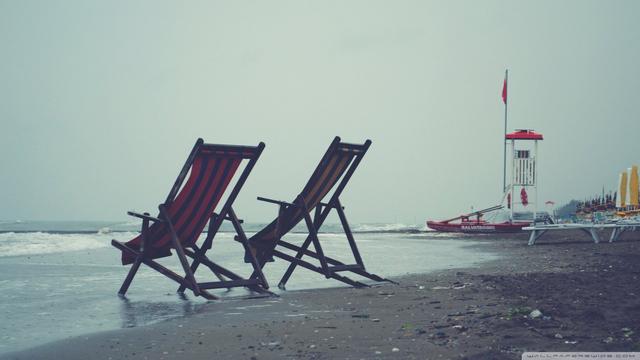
331,168
211,172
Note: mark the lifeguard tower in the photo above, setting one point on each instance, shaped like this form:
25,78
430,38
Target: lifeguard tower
522,191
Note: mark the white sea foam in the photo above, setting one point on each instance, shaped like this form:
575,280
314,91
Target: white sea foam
385,227
19,244
135,223
104,230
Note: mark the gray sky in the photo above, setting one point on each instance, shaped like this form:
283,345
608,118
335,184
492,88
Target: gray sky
100,101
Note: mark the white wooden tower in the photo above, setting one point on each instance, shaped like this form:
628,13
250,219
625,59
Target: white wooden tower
523,187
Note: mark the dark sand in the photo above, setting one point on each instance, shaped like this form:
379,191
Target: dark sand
588,295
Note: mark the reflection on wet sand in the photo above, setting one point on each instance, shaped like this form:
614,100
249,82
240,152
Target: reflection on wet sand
144,312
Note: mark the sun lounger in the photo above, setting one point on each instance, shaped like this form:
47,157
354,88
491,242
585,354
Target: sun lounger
334,171
591,229
184,215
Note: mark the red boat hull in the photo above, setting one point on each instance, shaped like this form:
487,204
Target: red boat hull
477,227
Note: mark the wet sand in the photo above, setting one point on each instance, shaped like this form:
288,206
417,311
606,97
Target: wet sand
587,295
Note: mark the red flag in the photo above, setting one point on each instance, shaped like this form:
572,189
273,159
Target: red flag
504,91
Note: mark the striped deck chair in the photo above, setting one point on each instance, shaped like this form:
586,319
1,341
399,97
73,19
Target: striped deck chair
334,171
184,215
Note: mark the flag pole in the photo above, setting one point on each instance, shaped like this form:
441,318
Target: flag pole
504,139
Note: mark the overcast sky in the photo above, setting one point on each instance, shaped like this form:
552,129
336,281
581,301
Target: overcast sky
100,101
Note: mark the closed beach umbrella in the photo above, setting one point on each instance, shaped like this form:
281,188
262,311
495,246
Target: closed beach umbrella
633,186
623,189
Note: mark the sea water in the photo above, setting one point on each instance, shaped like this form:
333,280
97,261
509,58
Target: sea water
60,279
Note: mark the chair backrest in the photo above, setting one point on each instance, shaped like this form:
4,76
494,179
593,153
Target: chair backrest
190,204
339,162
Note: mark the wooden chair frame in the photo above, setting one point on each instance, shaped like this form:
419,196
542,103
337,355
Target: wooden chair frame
227,279
329,267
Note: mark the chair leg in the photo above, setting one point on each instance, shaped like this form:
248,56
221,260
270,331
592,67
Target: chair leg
199,257
177,278
316,244
332,261
215,221
293,264
224,272
130,275
314,268
312,237
257,269
187,269
347,231
180,252
194,267
140,258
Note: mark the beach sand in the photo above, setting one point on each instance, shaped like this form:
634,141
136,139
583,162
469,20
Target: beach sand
587,294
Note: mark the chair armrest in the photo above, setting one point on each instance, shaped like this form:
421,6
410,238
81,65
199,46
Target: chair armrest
144,216
277,202
228,218
327,205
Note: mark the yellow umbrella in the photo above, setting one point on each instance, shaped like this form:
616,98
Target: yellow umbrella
623,189
633,186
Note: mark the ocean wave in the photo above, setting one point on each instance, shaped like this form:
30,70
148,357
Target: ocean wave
3,222
134,224
387,228
36,243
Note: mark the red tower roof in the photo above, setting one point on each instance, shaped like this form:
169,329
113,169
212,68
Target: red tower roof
521,134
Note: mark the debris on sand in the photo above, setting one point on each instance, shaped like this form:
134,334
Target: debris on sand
535,314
